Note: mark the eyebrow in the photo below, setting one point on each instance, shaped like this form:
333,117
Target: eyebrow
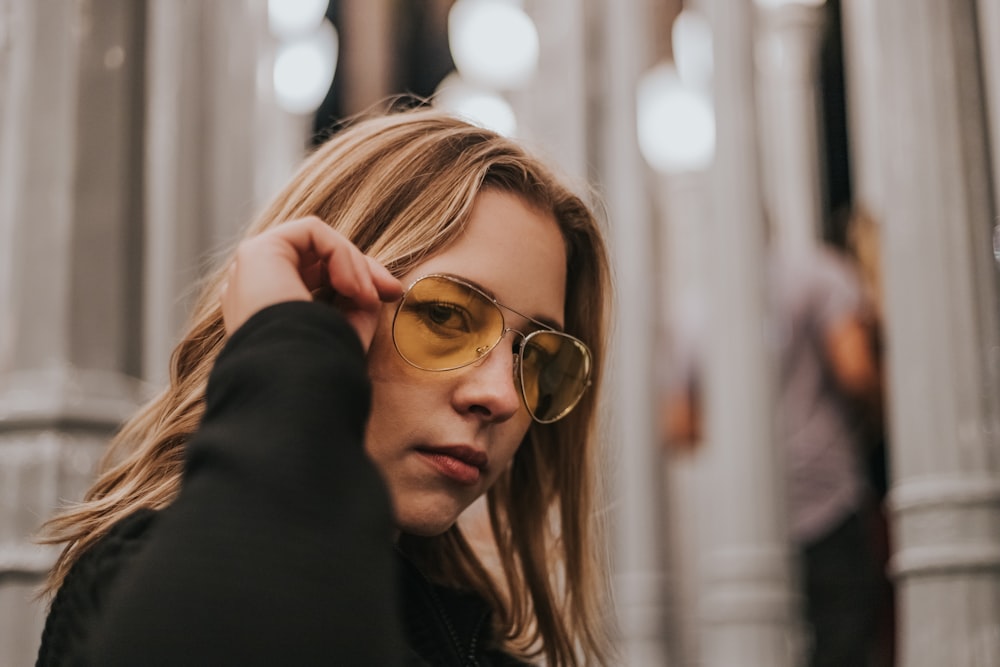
539,319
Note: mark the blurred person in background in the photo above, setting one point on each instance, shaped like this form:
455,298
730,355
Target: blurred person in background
417,319
864,246
828,390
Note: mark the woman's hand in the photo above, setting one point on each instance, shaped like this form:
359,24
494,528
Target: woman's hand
292,260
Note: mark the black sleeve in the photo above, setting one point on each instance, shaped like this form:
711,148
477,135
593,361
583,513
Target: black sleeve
278,549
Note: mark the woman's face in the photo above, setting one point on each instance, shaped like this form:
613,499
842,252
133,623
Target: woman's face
428,428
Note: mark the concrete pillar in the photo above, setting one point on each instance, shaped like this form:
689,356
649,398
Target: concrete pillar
943,333
368,38
989,40
135,139
552,110
638,517
70,211
747,605
787,50
217,148
685,221
863,77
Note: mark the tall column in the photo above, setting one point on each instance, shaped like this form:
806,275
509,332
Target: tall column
217,148
943,334
863,76
685,220
70,211
747,601
124,164
787,51
367,38
552,111
989,40
638,514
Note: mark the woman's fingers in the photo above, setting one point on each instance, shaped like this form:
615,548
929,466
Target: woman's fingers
388,286
350,277
295,259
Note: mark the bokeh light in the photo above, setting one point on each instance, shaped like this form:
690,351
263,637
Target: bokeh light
493,43
290,19
676,124
777,4
304,69
691,36
478,105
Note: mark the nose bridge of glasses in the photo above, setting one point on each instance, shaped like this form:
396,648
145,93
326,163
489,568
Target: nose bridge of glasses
512,330
483,352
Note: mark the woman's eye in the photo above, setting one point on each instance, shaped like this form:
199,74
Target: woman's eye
537,354
439,314
446,315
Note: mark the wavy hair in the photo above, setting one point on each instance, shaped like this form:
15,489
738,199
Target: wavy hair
401,187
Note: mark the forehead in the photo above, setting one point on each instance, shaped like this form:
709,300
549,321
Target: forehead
511,249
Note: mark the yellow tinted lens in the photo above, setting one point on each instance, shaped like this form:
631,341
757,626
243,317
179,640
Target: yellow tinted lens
555,371
443,324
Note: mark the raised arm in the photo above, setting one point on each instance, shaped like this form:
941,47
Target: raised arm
278,547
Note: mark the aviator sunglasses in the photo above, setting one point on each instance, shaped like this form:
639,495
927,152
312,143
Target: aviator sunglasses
443,323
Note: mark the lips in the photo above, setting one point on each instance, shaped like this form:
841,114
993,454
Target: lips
460,463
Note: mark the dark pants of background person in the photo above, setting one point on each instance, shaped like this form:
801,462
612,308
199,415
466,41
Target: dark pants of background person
842,592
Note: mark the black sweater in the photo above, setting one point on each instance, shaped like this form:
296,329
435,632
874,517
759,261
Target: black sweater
277,550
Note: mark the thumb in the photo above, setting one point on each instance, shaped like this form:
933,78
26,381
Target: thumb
364,321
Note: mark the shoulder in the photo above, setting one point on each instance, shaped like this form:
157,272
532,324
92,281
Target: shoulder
820,284
827,270
81,597
810,266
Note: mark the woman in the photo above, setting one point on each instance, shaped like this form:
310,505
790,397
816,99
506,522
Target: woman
423,268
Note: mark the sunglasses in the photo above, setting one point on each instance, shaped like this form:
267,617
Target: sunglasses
443,323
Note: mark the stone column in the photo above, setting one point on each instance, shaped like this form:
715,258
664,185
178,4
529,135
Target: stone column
863,77
747,605
136,138
787,51
70,214
637,519
552,110
943,333
685,220
367,38
989,40
217,148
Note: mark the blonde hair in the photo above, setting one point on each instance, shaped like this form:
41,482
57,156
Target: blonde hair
401,187
863,243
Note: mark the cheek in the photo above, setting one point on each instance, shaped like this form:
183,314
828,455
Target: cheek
396,385
381,339
510,442
384,363
390,397
393,390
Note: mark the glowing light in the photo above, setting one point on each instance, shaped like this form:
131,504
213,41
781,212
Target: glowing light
493,43
691,36
289,19
996,243
777,4
477,105
304,68
676,125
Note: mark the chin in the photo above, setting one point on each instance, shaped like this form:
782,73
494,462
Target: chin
428,523
424,528
424,531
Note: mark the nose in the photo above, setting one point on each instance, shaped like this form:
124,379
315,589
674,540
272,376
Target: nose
488,388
